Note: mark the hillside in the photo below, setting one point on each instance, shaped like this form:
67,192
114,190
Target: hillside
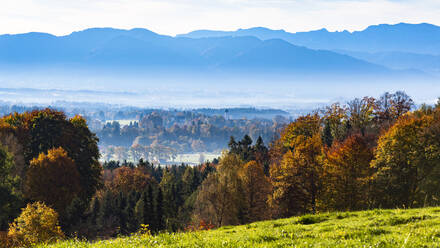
375,228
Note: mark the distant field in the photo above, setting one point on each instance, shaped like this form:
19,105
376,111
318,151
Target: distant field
122,122
375,228
194,158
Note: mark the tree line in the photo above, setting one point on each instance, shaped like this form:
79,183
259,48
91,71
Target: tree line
163,135
368,153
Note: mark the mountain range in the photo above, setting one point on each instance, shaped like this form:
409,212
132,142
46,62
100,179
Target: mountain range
379,49
400,46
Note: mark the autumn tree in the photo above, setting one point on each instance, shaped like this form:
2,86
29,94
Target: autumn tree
361,114
391,106
335,124
36,224
220,196
130,179
346,175
41,130
257,188
407,160
53,178
296,177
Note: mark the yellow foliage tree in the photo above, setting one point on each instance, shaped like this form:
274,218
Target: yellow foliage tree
296,179
36,224
407,160
220,197
305,126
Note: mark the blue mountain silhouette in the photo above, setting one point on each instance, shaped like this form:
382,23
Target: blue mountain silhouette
142,48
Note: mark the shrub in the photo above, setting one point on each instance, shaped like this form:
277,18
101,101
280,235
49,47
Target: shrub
310,219
37,223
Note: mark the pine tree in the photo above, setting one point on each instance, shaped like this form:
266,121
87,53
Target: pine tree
233,146
327,137
159,220
74,213
245,147
261,155
149,211
121,204
105,211
132,223
139,210
95,208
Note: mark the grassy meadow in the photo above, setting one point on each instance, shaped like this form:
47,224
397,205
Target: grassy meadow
374,228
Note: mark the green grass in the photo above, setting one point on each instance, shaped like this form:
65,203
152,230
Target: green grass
375,228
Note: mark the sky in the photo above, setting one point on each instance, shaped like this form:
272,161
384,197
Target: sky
173,17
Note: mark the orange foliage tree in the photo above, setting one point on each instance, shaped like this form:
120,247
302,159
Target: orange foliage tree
127,179
296,177
257,188
346,176
53,178
41,130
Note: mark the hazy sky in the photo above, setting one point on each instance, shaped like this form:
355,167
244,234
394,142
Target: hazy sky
180,16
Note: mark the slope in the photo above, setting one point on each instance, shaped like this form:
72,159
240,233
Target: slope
374,228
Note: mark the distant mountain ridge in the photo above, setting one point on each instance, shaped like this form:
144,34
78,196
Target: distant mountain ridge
401,46
108,47
412,38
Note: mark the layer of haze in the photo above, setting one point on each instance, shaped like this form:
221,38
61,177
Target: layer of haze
197,90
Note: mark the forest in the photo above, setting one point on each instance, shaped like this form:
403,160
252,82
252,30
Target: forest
364,154
159,136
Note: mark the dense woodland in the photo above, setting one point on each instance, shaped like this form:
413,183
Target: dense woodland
367,153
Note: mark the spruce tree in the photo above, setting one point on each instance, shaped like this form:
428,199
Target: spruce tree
94,211
74,213
139,210
121,204
159,220
132,224
149,211
105,210
327,137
